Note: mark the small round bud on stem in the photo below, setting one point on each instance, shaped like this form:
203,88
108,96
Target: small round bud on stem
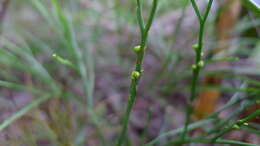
54,55
194,67
201,64
258,102
135,75
195,47
202,54
236,127
137,49
245,124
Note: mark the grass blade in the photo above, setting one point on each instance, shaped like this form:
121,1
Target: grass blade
24,111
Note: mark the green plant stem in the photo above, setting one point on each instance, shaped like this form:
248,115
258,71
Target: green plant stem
211,119
24,110
19,87
179,130
236,125
251,130
196,9
208,141
65,62
231,116
144,30
253,5
196,71
83,64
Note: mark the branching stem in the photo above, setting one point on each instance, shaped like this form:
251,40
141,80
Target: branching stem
199,63
236,126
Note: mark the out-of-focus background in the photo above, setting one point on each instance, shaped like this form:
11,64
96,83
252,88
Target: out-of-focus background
52,103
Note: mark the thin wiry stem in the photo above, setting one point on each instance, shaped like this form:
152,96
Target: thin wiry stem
208,141
84,64
24,111
180,130
211,119
236,125
231,116
196,8
140,16
208,10
198,64
136,75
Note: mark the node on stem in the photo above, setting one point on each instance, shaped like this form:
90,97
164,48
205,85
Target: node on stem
137,49
201,64
194,67
195,47
135,75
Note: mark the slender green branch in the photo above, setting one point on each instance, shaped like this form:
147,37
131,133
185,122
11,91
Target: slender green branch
83,65
11,85
179,130
140,16
208,10
199,62
24,111
237,125
196,8
233,142
136,75
208,120
252,130
65,62
151,18
231,116
208,141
